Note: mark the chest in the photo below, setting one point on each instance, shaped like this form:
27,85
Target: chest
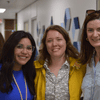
57,87
14,94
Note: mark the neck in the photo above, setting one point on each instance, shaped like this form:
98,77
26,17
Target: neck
58,61
97,52
97,56
17,67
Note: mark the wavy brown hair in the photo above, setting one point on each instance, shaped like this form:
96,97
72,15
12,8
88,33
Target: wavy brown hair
86,48
71,51
1,44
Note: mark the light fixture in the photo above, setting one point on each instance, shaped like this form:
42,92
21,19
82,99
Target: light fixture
2,10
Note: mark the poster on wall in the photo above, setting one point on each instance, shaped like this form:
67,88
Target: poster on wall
76,22
77,45
38,29
41,36
62,25
67,19
43,29
75,28
51,23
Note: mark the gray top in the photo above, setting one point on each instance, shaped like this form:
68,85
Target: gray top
57,87
91,82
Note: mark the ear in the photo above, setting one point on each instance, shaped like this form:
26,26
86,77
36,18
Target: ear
87,39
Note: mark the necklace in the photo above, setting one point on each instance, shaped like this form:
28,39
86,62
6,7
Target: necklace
19,88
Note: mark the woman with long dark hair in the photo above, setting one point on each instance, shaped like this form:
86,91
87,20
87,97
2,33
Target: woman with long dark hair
17,72
90,55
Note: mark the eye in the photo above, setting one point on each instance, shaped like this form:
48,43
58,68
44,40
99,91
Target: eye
49,40
59,39
98,29
29,47
90,30
20,46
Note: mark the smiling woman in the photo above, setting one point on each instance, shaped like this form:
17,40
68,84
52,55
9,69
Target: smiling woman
58,75
22,53
17,71
56,44
90,55
93,33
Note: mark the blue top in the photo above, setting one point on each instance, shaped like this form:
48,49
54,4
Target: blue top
14,94
91,82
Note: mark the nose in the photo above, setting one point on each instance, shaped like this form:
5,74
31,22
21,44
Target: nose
24,50
54,43
95,34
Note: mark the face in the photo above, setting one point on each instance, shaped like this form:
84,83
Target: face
22,52
55,43
93,33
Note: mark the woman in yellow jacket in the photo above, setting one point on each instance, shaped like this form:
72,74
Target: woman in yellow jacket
58,73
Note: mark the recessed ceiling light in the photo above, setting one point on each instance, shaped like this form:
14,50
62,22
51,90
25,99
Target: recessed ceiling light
2,10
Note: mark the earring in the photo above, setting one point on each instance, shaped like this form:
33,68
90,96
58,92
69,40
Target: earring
87,39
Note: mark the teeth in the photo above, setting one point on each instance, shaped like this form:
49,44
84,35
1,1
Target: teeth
96,40
55,50
22,57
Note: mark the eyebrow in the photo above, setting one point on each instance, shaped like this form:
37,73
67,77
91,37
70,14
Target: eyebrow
22,44
92,28
89,28
49,38
56,37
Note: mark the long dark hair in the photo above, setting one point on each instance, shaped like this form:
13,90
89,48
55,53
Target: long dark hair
86,48
7,61
71,51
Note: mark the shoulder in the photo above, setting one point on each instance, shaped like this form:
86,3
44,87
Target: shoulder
75,63
72,60
38,64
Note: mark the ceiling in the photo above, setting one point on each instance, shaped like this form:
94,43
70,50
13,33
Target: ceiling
12,7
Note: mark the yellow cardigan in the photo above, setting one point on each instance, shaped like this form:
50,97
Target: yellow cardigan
76,74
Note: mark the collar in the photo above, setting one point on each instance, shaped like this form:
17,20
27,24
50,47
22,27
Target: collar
66,64
73,63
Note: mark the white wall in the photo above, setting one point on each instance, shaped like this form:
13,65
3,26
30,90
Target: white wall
44,9
2,28
26,15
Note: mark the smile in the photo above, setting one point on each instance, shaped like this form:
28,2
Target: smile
96,40
22,57
55,49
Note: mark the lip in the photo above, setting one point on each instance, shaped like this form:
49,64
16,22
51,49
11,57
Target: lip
55,49
96,40
23,57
